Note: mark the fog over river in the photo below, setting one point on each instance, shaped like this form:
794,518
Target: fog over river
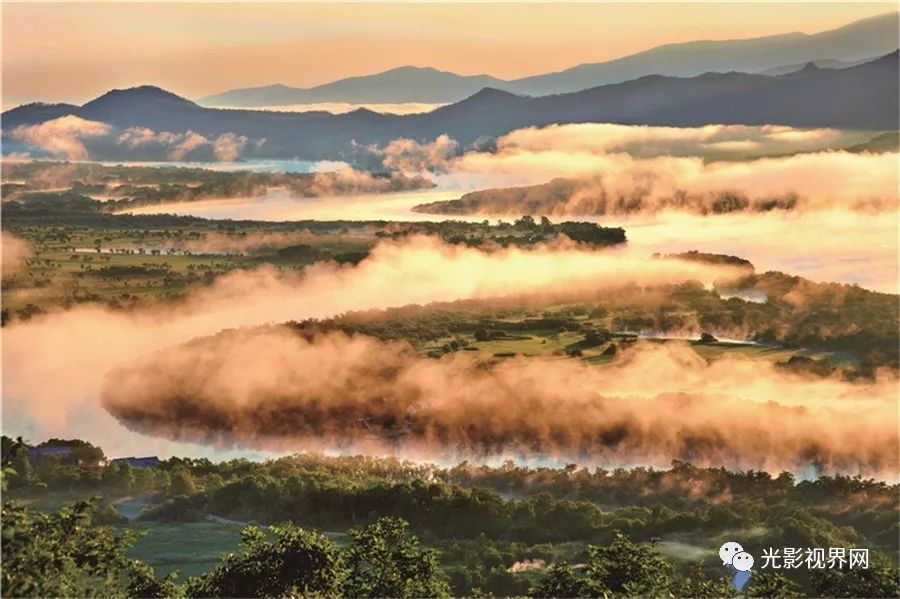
847,246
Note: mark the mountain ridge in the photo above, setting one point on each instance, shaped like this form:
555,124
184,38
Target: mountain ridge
858,40
860,97
378,87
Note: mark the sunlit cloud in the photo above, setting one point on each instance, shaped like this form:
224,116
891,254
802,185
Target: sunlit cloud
53,364
14,251
273,389
621,169
63,136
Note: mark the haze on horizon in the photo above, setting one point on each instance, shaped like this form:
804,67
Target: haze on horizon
74,52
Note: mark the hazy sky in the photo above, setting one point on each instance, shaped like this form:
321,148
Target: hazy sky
73,52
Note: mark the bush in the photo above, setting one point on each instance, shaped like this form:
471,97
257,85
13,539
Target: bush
296,563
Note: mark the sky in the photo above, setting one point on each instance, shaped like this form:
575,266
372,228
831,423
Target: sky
73,52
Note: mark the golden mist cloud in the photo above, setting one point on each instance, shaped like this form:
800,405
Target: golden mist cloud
14,251
844,245
53,363
271,388
709,141
620,169
619,183
62,136
228,147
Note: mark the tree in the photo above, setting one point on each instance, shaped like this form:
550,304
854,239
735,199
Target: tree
623,567
594,338
296,563
526,222
119,478
81,453
145,585
182,482
63,555
16,465
560,581
699,586
878,580
772,584
598,312
386,561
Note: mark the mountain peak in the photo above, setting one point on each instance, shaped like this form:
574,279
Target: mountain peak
409,68
810,67
141,92
490,93
362,111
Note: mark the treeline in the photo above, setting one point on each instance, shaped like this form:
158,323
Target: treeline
796,313
522,232
441,510
69,209
588,196
132,186
509,501
482,520
708,258
65,554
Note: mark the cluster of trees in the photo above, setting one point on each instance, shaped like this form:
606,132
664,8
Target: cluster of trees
140,186
381,560
523,232
63,554
574,519
84,468
442,510
68,277
483,320
588,196
67,554
709,258
797,313
69,209
554,504
831,315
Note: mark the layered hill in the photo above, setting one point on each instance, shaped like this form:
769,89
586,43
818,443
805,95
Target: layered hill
863,97
775,54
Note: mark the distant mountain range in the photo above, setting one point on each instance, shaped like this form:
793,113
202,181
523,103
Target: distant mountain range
775,55
403,84
865,97
822,64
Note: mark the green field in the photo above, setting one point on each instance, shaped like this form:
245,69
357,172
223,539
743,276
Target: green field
125,266
192,548
550,343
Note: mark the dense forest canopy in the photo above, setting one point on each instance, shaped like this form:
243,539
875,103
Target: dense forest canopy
615,526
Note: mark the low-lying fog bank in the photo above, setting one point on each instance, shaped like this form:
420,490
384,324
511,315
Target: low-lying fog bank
55,364
844,246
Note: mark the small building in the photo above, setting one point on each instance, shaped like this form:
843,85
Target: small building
146,462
